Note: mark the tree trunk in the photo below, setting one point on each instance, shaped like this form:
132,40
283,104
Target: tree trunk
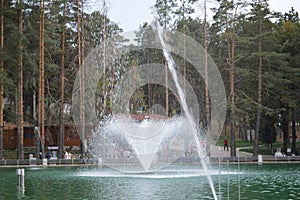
294,136
167,89
149,86
285,129
20,86
104,93
82,78
41,100
166,66
1,80
231,49
259,91
232,136
207,104
62,87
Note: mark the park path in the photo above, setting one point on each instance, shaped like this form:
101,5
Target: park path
218,151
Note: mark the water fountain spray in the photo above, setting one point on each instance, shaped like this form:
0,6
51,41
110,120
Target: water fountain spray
126,145
200,149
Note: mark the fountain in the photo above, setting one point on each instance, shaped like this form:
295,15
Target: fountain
146,158
155,132
150,145
151,150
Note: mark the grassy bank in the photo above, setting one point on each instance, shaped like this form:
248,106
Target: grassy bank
263,148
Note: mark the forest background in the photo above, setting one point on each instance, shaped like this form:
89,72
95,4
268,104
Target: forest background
43,45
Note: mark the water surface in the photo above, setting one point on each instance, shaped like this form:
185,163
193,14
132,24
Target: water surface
251,181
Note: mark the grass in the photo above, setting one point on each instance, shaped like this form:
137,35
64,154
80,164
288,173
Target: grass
267,150
238,142
10,154
263,149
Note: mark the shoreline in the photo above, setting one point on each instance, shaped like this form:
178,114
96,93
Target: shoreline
266,159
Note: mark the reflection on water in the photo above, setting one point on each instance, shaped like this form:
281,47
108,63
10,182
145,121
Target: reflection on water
268,181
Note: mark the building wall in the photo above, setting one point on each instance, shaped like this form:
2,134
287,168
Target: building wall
10,137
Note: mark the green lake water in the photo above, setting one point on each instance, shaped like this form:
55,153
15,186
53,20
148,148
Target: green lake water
231,181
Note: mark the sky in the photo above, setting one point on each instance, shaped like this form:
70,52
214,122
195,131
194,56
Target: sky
130,14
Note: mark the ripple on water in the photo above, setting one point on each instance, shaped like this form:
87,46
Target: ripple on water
265,182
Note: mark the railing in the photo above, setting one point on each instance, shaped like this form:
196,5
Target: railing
77,161
265,158
31,162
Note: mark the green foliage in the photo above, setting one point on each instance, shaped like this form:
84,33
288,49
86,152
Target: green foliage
232,20
268,131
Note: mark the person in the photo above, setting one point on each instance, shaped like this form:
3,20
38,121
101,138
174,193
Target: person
66,156
48,155
226,144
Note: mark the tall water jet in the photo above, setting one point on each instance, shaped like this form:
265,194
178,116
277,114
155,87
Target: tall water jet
201,150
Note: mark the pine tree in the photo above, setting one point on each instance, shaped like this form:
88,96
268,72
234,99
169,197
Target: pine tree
227,19
41,99
288,40
20,124
1,75
163,9
259,17
62,84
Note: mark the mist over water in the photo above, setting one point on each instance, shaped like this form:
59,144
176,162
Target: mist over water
134,146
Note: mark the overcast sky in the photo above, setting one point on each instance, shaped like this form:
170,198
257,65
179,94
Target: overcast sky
129,14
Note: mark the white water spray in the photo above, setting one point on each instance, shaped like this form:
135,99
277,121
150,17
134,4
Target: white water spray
200,149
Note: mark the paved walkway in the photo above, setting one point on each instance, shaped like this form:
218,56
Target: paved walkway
218,151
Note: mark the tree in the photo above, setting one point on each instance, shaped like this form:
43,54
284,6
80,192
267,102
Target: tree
163,9
262,32
288,40
98,29
207,103
1,74
227,17
80,43
41,99
182,11
62,85
268,129
20,84
259,87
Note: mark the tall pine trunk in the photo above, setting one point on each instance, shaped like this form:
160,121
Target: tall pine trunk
294,136
104,59
231,62
104,92
41,97
207,104
166,67
20,122
62,86
82,78
285,127
259,92
1,80
232,90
